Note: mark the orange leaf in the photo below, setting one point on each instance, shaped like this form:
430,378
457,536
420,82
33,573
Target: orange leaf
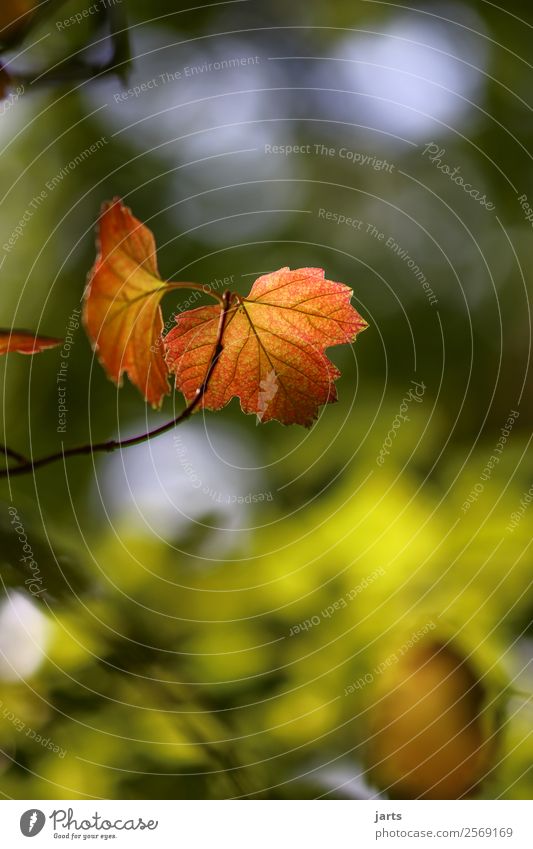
122,312
25,342
272,349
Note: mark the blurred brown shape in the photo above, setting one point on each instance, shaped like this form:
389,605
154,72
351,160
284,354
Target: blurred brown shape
15,16
5,82
427,735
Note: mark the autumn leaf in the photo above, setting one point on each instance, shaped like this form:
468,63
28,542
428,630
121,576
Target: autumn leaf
122,313
25,342
273,346
272,351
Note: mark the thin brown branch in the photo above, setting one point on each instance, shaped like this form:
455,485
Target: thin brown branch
113,445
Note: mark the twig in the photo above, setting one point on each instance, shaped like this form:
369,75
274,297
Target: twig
24,23
15,455
113,445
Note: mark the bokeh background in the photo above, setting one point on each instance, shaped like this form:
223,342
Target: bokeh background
252,611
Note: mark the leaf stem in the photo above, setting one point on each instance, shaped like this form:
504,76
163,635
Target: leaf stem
200,287
112,444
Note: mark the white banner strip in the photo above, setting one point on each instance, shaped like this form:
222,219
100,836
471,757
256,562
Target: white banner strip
267,824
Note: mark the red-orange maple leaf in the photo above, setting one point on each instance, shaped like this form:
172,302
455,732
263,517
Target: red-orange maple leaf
273,346
122,312
25,342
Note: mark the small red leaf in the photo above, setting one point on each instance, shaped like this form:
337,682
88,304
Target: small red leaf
25,342
272,349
